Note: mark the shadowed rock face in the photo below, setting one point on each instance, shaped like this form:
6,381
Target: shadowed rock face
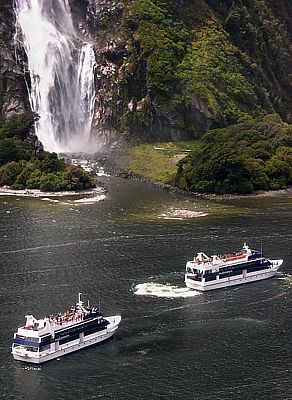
99,21
125,106
116,94
13,91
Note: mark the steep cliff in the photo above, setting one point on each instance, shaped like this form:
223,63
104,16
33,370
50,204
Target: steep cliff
13,91
172,70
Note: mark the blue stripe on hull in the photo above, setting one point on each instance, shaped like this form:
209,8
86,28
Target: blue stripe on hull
65,352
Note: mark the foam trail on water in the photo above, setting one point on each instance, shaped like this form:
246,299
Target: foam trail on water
159,290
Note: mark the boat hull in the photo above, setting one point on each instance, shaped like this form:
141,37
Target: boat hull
234,280
79,344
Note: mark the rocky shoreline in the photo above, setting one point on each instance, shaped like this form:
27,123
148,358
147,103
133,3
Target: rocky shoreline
117,171
118,165
173,189
6,191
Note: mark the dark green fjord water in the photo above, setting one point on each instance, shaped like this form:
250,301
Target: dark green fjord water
172,344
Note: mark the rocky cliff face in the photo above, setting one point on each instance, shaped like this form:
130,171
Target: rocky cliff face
13,91
125,108
99,22
130,37
171,70
261,31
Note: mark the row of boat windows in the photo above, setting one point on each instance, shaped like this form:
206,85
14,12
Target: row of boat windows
100,324
69,339
35,349
75,337
27,338
70,335
226,274
93,330
26,342
259,268
236,269
22,339
232,273
248,269
252,264
61,341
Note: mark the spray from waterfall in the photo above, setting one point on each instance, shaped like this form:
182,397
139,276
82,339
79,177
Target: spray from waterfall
61,74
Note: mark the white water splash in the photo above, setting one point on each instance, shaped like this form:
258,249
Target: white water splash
178,213
61,74
159,290
90,200
286,277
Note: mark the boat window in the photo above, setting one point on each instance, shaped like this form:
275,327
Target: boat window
20,337
46,339
93,330
34,349
45,347
69,339
210,278
28,348
27,338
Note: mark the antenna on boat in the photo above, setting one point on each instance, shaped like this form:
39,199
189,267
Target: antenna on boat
262,248
79,298
99,300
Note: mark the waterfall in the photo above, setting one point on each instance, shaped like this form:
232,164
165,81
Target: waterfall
61,66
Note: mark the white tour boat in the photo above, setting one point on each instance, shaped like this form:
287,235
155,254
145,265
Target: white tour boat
41,340
215,272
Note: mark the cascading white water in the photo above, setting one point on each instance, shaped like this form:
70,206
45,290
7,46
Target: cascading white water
61,72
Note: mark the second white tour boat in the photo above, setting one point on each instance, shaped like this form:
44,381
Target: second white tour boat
206,273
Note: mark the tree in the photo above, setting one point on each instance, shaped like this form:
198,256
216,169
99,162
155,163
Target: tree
241,158
51,163
9,173
20,125
12,150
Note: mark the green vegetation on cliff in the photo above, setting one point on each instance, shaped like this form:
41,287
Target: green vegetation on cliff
157,40
23,166
213,72
200,64
255,154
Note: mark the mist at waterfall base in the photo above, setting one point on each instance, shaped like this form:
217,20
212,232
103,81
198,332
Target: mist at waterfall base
230,344
61,66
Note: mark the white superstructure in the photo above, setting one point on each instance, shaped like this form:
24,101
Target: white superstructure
206,273
41,340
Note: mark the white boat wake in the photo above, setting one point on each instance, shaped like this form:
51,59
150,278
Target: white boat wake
286,277
160,290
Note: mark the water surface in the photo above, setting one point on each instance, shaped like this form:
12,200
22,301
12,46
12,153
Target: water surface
226,344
